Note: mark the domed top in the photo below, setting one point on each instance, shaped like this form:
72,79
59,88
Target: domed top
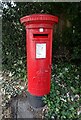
39,17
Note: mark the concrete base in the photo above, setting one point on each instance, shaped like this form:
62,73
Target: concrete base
21,108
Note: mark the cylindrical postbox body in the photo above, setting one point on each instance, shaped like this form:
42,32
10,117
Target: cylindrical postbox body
39,30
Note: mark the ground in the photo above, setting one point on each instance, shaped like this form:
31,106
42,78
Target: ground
19,107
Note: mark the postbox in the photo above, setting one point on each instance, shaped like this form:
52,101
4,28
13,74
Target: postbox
39,31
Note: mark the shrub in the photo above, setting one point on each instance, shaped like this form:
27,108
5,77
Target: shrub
64,99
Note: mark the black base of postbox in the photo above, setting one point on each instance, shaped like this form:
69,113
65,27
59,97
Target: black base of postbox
35,101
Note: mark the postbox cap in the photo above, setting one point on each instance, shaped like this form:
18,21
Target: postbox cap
39,18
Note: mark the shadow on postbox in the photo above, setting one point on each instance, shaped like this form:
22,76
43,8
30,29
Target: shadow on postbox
39,32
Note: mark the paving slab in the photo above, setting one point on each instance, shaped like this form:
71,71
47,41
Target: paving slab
22,109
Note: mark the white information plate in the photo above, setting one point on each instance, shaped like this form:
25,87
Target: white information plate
41,50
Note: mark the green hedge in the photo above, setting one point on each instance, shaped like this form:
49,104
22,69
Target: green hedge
64,99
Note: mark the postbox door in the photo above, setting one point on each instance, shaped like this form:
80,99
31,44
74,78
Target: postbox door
39,61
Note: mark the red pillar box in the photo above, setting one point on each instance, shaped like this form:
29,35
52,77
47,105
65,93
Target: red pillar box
39,30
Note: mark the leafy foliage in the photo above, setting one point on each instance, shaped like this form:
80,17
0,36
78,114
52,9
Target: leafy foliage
64,98
72,35
12,87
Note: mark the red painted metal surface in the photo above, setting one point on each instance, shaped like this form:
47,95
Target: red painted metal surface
39,51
